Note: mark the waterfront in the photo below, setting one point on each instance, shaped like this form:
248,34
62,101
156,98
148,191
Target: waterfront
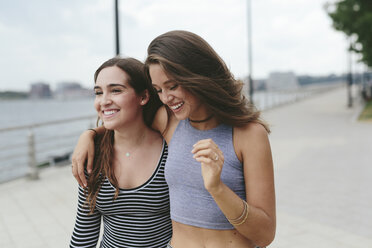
58,139
50,140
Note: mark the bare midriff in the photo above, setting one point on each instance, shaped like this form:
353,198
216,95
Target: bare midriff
186,236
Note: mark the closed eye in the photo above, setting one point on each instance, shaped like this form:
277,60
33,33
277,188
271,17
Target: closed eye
157,90
116,90
174,87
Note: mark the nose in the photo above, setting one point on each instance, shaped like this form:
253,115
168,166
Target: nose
166,97
106,100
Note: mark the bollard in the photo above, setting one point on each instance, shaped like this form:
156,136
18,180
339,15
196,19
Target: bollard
33,170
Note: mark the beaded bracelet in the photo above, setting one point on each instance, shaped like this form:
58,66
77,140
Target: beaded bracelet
243,217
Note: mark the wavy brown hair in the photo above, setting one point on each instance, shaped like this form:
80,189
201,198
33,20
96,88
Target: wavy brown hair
195,66
104,144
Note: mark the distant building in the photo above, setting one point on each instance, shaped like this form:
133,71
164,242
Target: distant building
282,81
258,84
72,90
40,90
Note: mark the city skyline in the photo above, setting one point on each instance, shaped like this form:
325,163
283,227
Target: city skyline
69,40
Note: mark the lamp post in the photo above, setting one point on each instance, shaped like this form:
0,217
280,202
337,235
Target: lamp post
349,77
117,27
249,27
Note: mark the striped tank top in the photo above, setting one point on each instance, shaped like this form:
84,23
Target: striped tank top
139,217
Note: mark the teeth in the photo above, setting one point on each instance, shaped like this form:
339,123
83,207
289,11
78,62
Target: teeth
176,106
109,112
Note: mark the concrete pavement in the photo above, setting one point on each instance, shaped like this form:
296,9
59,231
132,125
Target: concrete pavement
323,173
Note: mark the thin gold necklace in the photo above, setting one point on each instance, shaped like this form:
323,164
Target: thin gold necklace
127,154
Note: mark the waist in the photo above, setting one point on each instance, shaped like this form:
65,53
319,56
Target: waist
185,236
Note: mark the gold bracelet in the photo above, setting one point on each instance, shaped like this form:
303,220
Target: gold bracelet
243,217
246,215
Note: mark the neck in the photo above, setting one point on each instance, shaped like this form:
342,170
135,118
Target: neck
203,120
130,136
205,125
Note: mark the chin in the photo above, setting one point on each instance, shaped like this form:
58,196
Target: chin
109,126
181,117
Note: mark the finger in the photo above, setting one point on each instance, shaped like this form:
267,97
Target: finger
204,141
75,173
204,144
90,162
204,160
81,175
204,152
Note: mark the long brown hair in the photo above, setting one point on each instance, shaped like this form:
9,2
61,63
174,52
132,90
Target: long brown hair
104,144
193,64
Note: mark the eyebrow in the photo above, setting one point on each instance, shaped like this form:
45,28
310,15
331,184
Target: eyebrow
167,82
110,86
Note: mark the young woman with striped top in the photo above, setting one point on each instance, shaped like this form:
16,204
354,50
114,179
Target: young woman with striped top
126,188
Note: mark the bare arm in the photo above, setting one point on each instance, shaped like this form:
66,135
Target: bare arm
160,120
84,154
164,125
253,149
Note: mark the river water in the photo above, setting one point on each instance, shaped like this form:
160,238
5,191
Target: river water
51,140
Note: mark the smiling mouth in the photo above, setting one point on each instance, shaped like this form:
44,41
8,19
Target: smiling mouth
109,112
177,106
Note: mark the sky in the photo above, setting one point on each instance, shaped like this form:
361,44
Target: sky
66,40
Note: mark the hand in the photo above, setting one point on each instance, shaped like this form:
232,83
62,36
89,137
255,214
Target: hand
83,153
211,158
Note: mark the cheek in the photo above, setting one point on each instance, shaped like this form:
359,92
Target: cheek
128,103
97,105
189,98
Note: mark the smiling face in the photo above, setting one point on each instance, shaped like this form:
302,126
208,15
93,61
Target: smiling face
180,101
116,102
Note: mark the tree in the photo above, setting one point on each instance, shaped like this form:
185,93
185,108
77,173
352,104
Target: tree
354,18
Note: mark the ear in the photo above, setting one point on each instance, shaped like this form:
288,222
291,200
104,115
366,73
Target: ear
145,97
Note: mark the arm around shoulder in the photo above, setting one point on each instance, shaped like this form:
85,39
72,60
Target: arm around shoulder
84,154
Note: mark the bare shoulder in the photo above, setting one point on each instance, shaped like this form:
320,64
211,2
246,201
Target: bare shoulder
250,139
250,132
165,124
160,120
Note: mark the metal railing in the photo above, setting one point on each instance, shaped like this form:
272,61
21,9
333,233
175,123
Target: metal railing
265,100
26,148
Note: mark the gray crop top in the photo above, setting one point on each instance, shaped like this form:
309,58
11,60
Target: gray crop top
190,202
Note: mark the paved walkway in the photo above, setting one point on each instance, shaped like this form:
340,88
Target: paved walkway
323,169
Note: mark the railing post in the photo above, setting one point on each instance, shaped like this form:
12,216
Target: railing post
33,170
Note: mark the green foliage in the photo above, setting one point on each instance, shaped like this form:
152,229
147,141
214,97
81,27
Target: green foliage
13,95
366,114
354,18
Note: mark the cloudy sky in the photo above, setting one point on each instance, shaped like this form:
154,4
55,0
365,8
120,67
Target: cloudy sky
66,40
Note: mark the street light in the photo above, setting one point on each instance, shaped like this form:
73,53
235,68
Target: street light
117,27
249,27
349,76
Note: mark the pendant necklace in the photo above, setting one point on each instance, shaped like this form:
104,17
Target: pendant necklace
127,154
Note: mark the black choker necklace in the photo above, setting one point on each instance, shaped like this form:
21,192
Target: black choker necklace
199,121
